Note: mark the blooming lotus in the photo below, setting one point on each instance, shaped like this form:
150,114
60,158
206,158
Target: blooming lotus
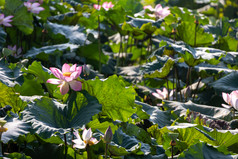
159,11
162,94
105,5
67,77
5,20
33,7
16,52
231,99
96,6
87,139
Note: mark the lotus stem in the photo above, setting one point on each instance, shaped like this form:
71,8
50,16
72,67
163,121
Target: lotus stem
1,155
118,56
88,152
131,44
99,44
178,84
127,44
66,149
187,77
167,81
141,51
150,45
106,148
196,22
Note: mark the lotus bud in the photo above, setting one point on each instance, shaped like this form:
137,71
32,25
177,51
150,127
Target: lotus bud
86,70
187,92
108,136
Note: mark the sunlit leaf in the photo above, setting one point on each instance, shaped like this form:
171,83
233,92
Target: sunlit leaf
117,100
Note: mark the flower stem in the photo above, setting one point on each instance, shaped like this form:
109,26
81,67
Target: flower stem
66,149
118,56
99,44
88,152
167,81
106,148
1,154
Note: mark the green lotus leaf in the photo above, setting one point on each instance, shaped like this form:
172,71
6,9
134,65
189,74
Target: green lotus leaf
74,34
2,37
8,96
227,83
138,22
22,19
31,86
132,6
186,31
91,53
48,116
209,111
16,155
117,100
33,52
9,77
148,28
161,71
42,74
69,18
227,43
157,116
16,128
123,144
202,150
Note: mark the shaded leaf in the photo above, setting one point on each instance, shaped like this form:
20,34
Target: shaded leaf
33,52
48,116
202,150
210,111
227,83
157,116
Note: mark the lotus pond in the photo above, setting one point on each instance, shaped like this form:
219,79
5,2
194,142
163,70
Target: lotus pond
130,79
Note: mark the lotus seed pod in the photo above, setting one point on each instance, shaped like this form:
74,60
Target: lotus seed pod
2,122
108,135
173,143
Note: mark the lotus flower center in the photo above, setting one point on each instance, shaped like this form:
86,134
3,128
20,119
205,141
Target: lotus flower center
67,74
90,143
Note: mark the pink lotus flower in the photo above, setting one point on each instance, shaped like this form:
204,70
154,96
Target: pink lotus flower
231,99
33,7
159,11
105,5
67,78
87,139
162,94
96,6
16,52
5,20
